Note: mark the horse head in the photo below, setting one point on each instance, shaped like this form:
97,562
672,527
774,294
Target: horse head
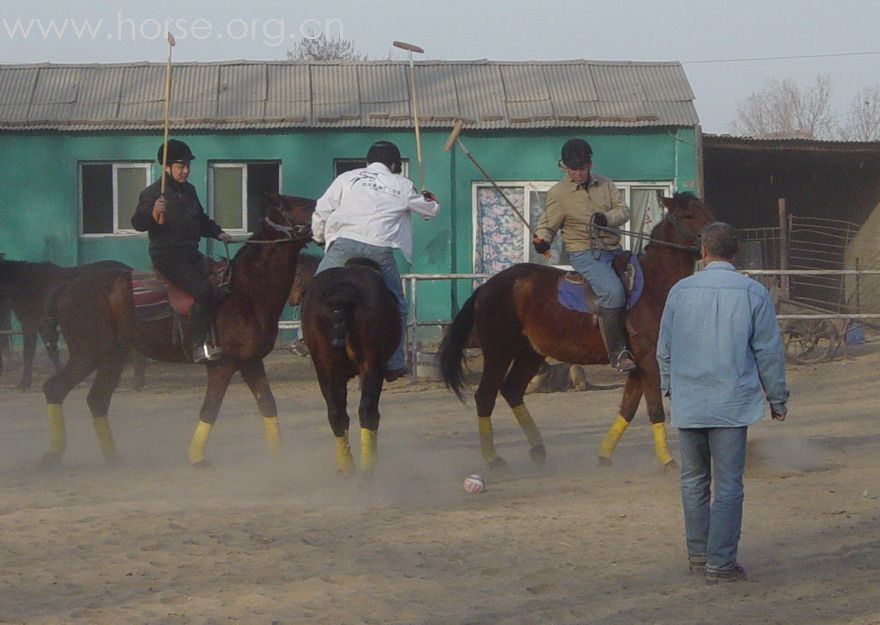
686,215
289,216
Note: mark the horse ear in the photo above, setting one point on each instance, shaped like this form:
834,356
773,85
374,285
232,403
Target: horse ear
273,198
668,202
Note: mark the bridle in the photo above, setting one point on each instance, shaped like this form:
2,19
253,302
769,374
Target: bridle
294,233
680,230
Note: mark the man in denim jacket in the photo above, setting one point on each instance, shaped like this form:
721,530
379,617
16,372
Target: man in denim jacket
719,347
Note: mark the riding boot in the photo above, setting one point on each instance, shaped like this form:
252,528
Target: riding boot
612,325
199,325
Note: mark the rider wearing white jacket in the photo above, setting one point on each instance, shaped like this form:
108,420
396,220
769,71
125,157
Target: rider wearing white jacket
367,212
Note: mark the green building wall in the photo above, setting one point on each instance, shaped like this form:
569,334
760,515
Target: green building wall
39,207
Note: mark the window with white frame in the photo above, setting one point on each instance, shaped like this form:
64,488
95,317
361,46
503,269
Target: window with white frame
342,165
108,195
501,238
237,192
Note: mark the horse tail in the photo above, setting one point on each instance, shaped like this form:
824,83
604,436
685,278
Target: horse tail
339,331
451,354
341,300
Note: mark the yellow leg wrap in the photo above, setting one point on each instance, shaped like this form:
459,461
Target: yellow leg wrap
660,448
199,441
612,437
528,425
344,459
368,450
57,434
487,440
273,435
105,438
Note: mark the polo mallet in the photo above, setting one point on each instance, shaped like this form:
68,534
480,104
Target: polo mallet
167,99
454,139
410,48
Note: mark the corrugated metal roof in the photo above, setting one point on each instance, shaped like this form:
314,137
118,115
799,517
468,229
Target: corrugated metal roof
252,94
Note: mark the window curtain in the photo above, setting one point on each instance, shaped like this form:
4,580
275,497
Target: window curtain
499,232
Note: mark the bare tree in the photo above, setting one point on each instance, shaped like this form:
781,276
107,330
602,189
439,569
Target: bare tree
863,120
319,47
782,108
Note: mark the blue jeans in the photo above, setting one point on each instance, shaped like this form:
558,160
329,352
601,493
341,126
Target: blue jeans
341,250
712,529
596,267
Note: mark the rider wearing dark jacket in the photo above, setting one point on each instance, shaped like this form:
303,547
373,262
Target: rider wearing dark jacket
176,222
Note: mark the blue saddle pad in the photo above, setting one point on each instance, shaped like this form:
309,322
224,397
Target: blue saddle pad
571,295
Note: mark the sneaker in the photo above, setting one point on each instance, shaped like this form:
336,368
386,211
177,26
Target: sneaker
206,353
394,374
300,348
697,563
734,574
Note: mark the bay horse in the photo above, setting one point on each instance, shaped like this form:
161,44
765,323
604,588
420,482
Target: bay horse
351,326
98,320
518,322
28,290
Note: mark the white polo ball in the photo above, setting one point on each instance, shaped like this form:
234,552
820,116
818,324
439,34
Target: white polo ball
474,484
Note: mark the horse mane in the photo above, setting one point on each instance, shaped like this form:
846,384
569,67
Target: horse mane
681,199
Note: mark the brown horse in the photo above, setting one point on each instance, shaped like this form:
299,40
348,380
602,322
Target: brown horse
352,327
98,321
29,290
518,322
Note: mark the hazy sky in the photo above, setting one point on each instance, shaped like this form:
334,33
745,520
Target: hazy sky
714,40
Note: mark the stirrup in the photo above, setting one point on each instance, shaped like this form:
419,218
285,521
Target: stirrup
206,353
625,361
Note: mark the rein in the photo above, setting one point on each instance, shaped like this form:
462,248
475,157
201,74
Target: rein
646,237
295,233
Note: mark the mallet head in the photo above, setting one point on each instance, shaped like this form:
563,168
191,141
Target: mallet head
453,136
407,46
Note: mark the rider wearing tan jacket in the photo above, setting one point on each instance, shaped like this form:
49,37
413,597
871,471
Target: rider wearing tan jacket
570,209
583,205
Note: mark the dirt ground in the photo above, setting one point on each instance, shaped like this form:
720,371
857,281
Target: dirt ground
287,542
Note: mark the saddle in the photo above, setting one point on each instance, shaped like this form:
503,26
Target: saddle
575,293
155,297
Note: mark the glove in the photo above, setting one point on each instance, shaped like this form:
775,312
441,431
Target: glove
540,245
429,196
599,219
225,237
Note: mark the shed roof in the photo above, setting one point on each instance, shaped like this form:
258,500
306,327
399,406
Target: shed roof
352,94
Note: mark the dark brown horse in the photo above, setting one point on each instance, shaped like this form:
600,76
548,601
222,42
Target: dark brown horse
352,327
98,321
29,290
305,271
518,322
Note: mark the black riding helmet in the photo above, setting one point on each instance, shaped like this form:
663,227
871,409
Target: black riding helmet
576,153
387,153
178,152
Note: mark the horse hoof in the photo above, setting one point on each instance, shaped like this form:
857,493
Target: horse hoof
672,465
202,465
538,454
49,459
605,462
498,464
113,460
